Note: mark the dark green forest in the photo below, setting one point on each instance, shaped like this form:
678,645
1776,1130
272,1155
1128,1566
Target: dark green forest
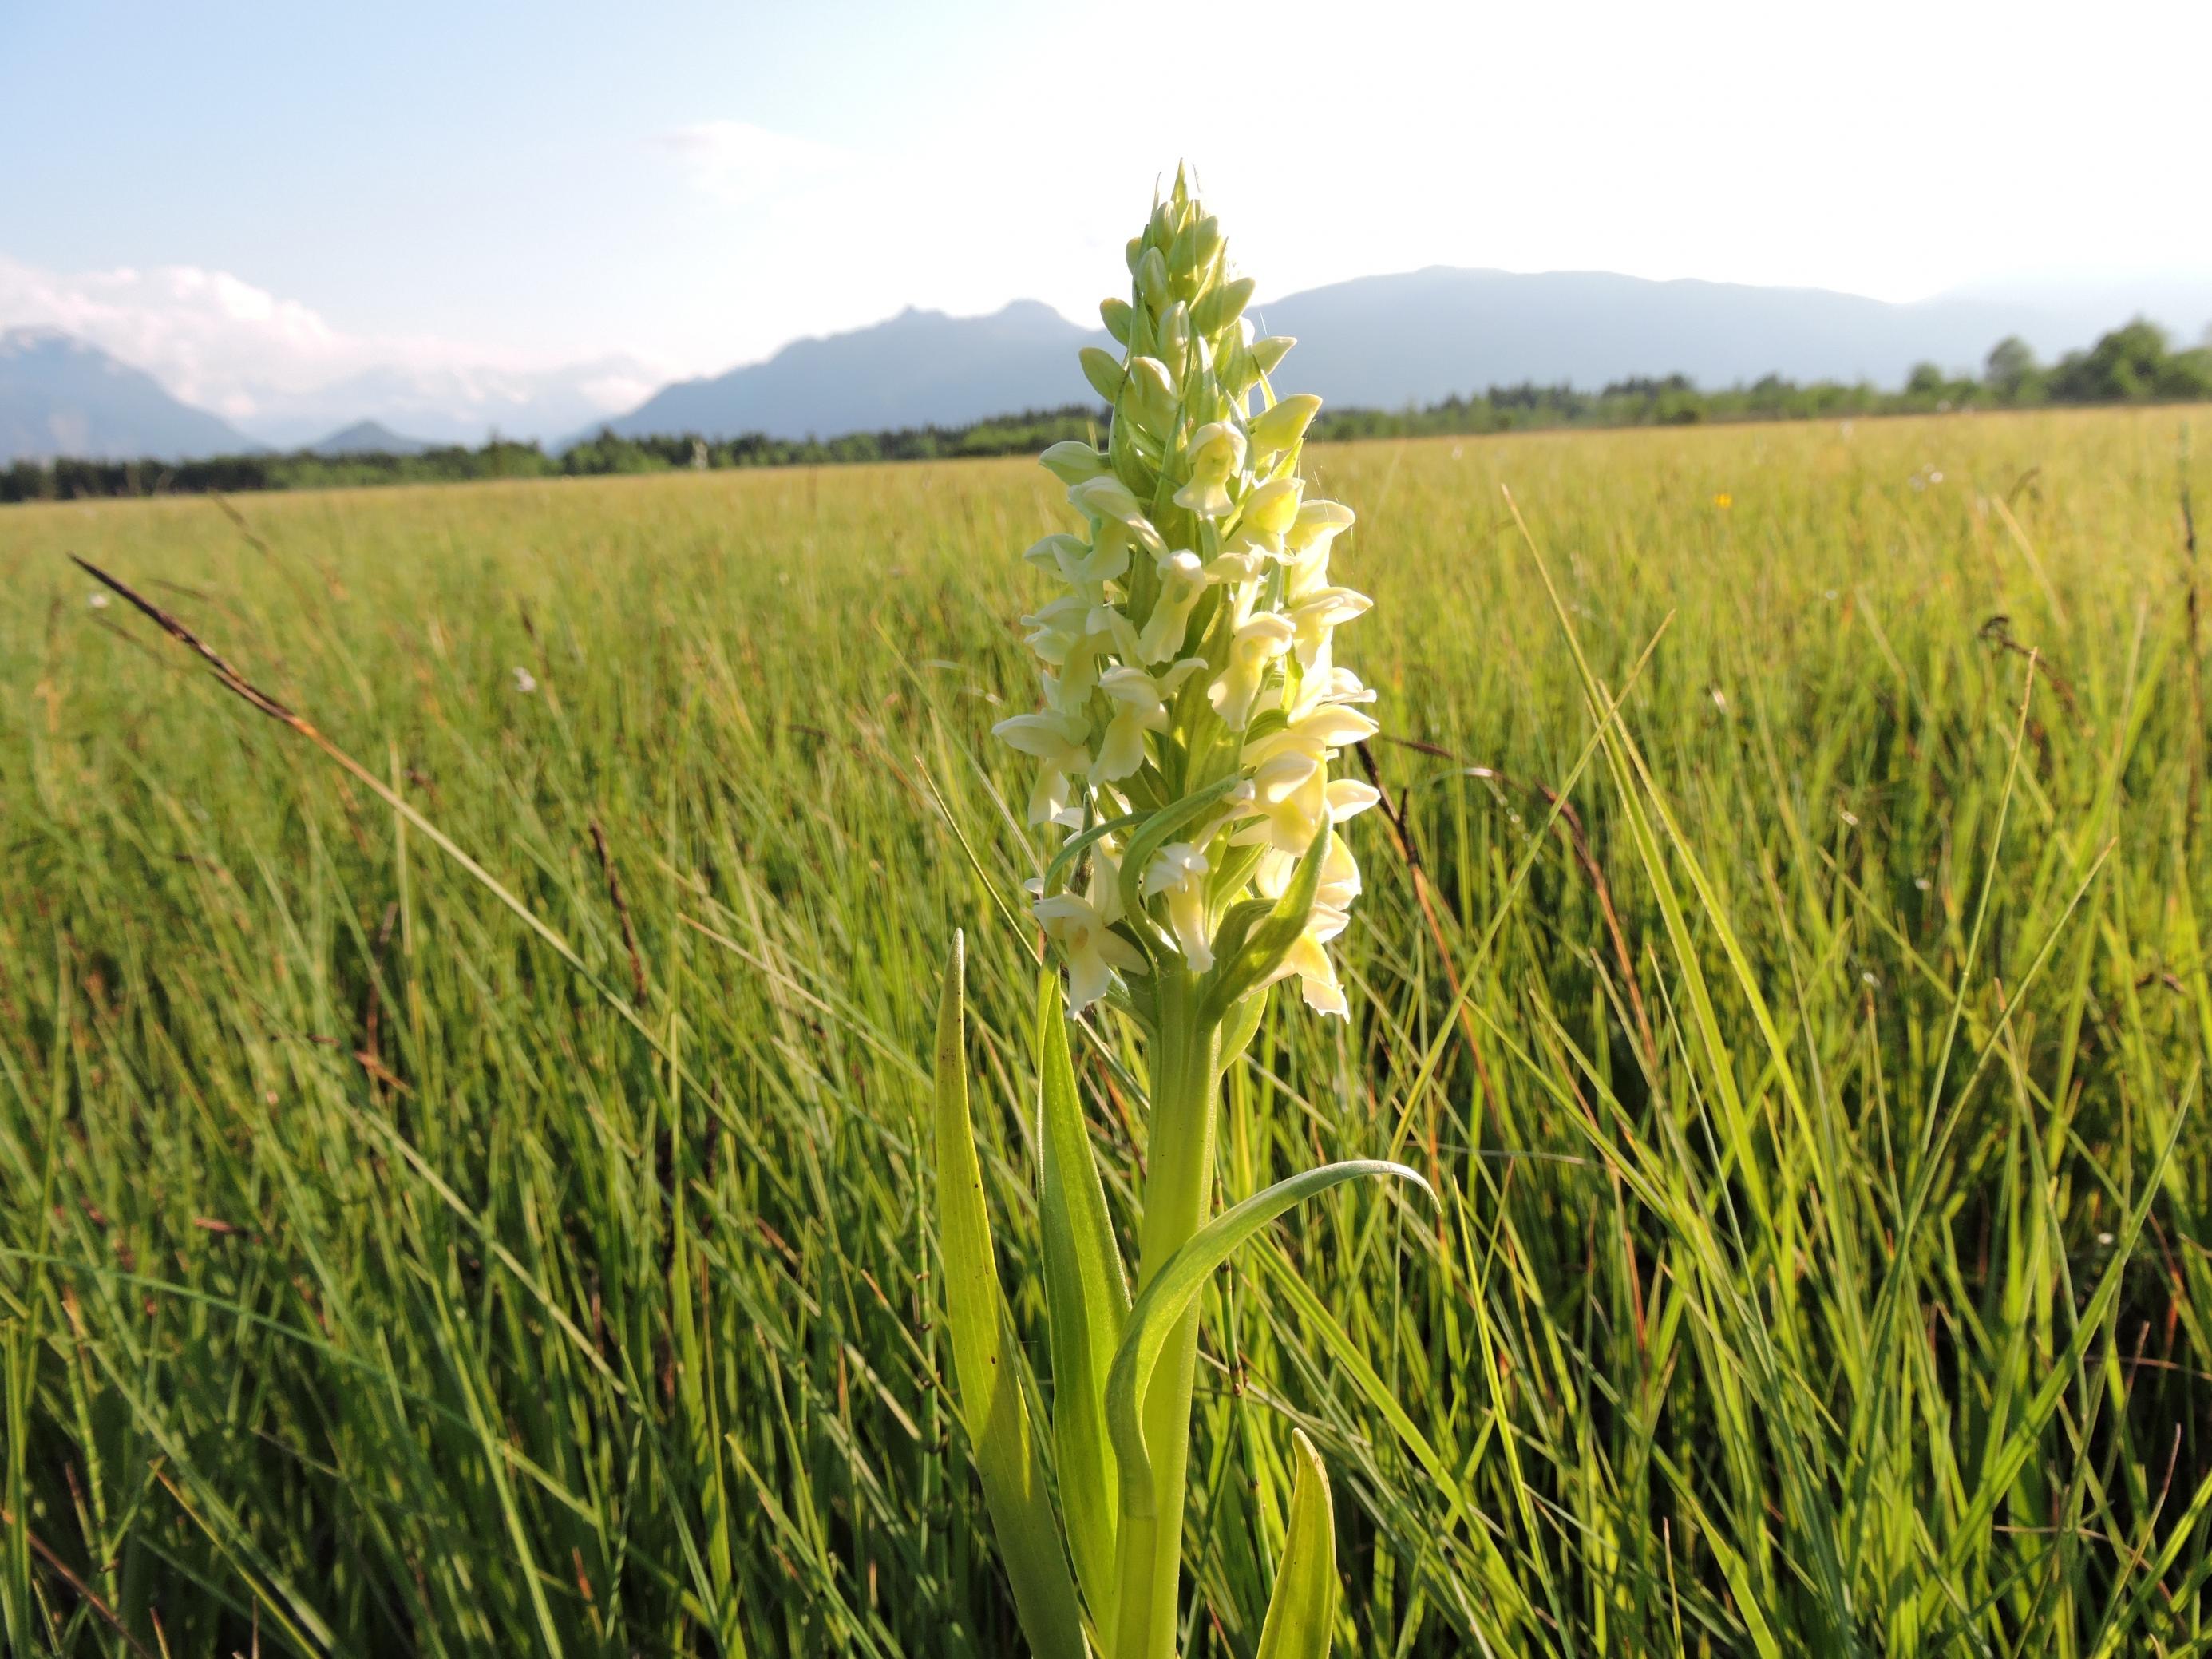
2135,363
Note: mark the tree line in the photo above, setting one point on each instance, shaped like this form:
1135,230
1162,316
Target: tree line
2135,363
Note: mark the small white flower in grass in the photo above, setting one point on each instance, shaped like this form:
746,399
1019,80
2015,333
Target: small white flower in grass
1107,499
97,600
524,681
1325,683
1093,950
1179,873
1055,629
1245,565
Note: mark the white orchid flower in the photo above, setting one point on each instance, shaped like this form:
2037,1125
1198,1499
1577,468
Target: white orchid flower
1316,733
1293,794
1080,563
1107,499
1307,543
1258,640
1217,455
1319,614
1093,951
1182,580
1178,873
1309,962
1328,683
1141,706
1269,513
1059,743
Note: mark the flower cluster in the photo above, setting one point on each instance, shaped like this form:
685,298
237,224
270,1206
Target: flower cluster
1192,704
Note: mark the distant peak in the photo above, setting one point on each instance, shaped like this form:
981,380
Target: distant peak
34,337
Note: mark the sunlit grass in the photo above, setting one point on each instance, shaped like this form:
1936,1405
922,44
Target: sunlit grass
1822,1264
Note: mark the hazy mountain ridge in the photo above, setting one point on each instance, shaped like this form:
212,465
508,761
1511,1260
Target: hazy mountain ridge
456,404
61,397
366,438
918,368
1389,340
1419,337
1383,342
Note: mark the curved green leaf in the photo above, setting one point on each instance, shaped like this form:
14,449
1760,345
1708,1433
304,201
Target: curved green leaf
1176,1286
1087,1299
1302,1610
985,1389
1257,953
1162,827
1075,845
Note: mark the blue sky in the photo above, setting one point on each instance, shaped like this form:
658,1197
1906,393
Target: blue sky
247,197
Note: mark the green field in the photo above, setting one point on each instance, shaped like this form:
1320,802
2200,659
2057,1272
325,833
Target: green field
1825,1258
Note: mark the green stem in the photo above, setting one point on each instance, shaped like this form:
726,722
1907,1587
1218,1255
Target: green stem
1186,1088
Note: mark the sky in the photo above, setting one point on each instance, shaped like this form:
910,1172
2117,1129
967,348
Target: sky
251,200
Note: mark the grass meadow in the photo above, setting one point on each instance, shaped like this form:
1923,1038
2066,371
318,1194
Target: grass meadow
1786,955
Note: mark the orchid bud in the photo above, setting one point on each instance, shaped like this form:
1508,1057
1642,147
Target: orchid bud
1174,334
1266,353
1151,387
1221,306
1284,424
1104,374
1152,282
1071,462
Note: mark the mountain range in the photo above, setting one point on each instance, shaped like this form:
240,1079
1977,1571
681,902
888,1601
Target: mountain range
459,403
1387,341
366,438
61,397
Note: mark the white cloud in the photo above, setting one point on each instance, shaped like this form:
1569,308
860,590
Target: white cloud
206,335
738,163
283,372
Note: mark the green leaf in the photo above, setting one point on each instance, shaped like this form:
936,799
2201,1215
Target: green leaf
1176,1286
1251,952
986,1392
1088,1300
1302,1610
1159,830
1075,845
